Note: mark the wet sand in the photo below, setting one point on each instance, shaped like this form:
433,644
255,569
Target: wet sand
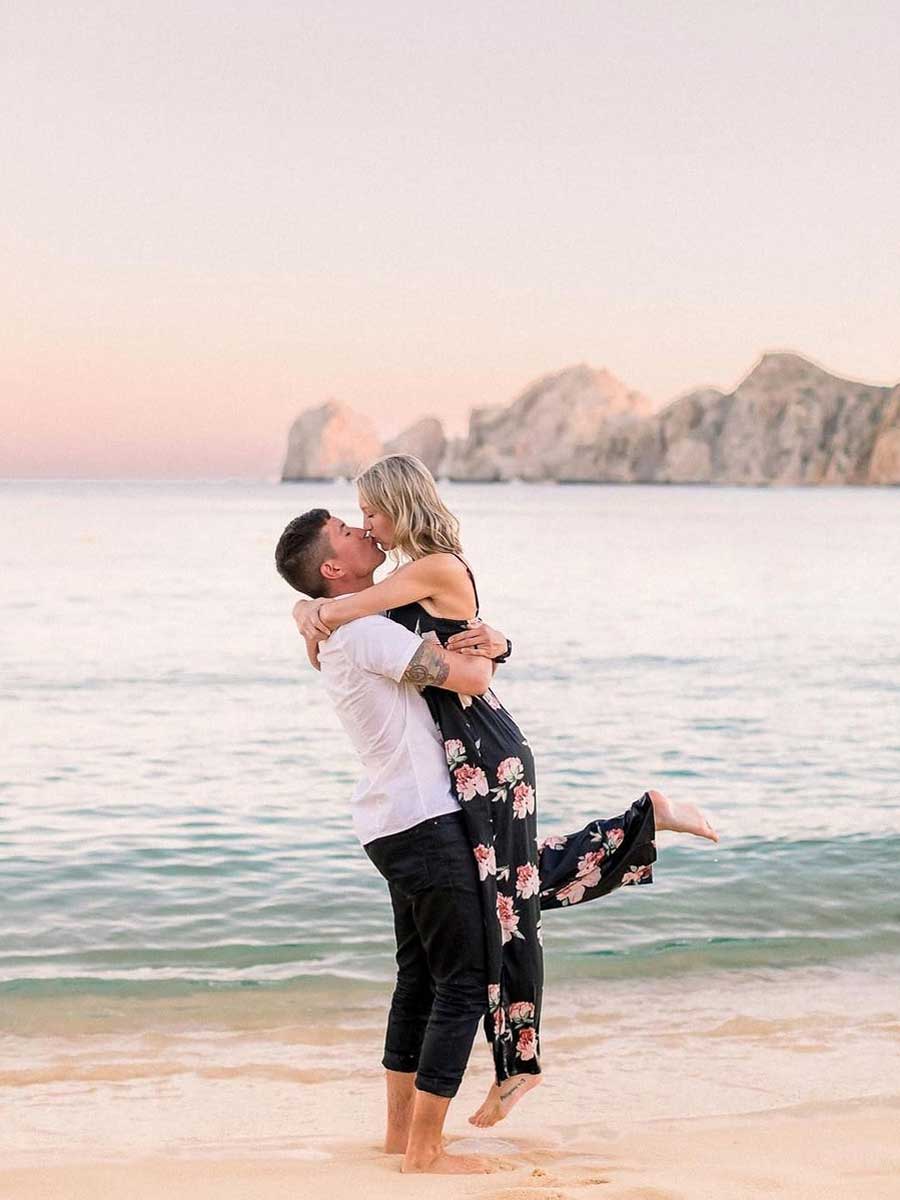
784,1085
805,1153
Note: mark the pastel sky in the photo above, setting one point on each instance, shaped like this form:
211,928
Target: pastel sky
216,214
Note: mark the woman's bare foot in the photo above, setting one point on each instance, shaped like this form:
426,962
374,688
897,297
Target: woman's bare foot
501,1098
441,1163
680,816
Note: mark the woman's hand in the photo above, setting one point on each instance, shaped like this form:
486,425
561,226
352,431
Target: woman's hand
309,623
478,639
312,653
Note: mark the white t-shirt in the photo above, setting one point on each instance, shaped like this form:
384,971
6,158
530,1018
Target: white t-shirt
406,778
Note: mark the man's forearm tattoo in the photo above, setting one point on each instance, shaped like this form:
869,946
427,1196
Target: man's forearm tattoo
427,667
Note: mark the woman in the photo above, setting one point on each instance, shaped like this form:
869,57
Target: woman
491,768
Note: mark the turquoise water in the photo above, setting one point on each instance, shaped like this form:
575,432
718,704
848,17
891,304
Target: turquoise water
174,788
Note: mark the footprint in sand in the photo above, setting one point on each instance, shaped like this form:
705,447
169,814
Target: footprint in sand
483,1147
650,1193
528,1193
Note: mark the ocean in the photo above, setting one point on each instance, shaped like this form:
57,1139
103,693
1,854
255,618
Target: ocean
174,789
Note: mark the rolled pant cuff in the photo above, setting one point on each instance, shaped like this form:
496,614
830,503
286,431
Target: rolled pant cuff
437,1087
407,1063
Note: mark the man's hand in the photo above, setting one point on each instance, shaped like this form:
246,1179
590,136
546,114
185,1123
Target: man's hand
310,624
478,639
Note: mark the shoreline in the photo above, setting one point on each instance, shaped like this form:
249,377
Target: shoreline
63,1008
664,1089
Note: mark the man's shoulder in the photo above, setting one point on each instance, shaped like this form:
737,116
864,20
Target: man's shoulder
364,632
362,627
374,644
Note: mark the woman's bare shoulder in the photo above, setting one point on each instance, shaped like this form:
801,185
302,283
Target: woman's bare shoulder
441,563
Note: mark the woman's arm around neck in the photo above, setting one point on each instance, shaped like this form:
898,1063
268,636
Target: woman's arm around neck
437,577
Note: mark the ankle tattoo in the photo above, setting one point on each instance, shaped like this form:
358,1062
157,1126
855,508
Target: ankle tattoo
514,1088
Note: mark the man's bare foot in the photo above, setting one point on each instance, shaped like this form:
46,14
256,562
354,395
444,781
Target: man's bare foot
680,816
501,1098
441,1163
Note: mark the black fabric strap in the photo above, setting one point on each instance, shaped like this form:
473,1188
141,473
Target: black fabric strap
472,578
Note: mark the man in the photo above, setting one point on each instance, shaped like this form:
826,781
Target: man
411,828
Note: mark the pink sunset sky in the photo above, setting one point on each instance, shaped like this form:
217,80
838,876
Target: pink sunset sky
217,214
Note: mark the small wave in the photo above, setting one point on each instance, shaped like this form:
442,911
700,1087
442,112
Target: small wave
165,679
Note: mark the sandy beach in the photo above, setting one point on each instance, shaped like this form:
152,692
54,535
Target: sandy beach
805,1153
679,1088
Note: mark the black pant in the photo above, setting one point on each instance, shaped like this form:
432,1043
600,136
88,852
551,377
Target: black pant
441,991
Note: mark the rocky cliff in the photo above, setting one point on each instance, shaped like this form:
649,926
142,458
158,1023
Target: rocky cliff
539,436
788,422
333,441
329,441
884,465
425,439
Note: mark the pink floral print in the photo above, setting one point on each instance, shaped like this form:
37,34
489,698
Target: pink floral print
574,892
589,862
486,860
470,782
523,800
526,1043
599,858
455,751
510,770
636,873
528,881
508,917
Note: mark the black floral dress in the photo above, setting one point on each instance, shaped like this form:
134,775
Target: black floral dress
492,775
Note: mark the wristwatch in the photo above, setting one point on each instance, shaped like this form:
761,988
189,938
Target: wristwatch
503,657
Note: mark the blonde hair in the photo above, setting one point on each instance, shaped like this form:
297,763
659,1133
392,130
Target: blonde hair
402,487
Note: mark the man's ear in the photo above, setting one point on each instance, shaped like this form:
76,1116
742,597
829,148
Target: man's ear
331,570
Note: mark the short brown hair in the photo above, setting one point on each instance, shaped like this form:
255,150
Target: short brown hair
302,549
